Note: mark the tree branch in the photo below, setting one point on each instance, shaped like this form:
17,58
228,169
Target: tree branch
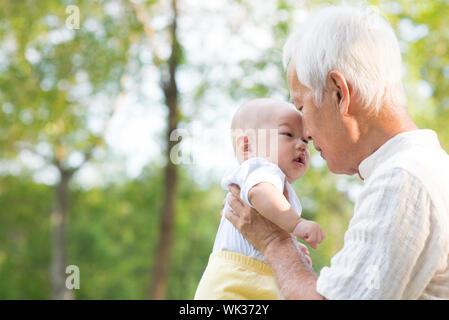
144,18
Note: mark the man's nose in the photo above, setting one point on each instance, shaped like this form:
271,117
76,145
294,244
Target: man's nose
307,133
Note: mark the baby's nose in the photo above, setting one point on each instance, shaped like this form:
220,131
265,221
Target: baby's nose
301,145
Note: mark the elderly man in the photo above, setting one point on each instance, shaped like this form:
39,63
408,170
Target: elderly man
344,74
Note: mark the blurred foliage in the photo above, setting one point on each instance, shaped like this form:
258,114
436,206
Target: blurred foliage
111,237
51,81
53,77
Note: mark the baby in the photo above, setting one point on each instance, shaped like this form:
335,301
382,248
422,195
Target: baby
272,152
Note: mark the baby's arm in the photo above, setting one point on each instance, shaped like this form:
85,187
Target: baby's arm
273,205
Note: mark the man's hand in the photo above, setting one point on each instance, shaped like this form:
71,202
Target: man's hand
259,231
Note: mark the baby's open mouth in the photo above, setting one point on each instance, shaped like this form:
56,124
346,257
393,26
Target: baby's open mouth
299,161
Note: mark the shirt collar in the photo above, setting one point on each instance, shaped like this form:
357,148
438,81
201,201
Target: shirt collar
399,142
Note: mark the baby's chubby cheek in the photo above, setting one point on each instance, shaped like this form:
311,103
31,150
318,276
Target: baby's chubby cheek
286,167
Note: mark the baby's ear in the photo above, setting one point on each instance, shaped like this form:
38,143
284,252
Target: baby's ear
242,143
242,147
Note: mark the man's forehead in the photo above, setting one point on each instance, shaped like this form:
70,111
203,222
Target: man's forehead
290,68
295,96
292,75
296,100
296,88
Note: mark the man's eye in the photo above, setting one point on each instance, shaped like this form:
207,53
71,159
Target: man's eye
288,134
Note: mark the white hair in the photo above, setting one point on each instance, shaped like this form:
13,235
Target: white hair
357,42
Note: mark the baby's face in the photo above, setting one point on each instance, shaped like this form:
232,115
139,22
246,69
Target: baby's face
293,152
274,131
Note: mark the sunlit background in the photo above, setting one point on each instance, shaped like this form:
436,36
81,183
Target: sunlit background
88,91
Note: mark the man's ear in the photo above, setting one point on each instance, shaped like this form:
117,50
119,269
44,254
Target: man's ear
340,91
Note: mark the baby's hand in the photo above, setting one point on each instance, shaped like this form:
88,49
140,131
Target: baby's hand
310,232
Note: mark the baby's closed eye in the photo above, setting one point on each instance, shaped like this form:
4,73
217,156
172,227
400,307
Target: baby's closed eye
288,134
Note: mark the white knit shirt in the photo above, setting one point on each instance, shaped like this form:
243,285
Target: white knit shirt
397,242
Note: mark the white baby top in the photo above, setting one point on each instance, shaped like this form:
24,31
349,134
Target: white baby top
397,243
247,175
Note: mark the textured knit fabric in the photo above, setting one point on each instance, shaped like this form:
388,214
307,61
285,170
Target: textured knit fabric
232,276
397,242
247,175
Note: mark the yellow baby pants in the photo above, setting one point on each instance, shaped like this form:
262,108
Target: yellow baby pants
233,276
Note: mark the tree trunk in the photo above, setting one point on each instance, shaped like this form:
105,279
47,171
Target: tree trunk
162,256
58,229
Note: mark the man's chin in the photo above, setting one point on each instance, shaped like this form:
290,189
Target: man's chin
339,169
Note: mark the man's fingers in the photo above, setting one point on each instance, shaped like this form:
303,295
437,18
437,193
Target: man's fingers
303,248
234,198
235,203
305,251
234,189
309,261
232,217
